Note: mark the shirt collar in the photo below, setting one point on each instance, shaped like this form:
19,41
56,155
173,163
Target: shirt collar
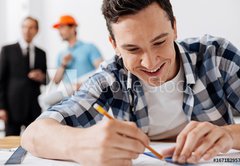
187,63
23,44
77,44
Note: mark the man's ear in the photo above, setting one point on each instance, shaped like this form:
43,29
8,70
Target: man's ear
112,41
114,45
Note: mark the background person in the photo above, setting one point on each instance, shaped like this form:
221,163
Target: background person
79,58
22,71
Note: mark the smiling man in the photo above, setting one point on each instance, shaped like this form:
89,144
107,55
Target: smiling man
164,88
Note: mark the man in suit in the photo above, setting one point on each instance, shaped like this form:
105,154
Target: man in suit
22,71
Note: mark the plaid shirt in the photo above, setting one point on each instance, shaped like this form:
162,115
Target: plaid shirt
211,88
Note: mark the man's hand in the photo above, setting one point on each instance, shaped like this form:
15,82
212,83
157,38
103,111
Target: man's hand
3,115
200,140
66,59
76,86
113,143
36,75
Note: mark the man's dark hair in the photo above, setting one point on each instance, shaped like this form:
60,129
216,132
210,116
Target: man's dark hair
113,9
33,19
70,25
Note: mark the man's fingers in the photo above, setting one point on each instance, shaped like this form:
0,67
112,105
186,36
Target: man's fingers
36,75
217,148
33,74
117,153
3,115
127,143
205,139
168,152
67,58
193,138
122,135
181,139
207,143
119,162
129,129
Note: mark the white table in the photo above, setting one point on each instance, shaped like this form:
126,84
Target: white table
143,160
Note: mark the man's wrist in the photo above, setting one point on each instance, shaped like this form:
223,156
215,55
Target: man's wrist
63,66
71,146
233,129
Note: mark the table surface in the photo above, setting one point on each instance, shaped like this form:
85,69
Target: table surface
10,142
143,160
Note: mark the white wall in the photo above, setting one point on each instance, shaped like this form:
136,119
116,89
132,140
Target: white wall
3,25
91,25
216,17
194,18
16,10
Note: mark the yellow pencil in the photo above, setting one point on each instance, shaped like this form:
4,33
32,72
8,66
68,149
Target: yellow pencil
103,112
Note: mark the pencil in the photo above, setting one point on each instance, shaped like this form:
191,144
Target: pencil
105,113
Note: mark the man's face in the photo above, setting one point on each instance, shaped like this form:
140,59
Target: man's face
29,30
145,41
66,32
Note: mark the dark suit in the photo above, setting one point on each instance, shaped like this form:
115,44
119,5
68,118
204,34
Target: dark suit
19,94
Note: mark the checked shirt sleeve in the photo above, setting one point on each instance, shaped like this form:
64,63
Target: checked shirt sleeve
230,66
78,111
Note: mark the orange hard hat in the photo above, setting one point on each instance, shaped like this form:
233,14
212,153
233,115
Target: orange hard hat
65,20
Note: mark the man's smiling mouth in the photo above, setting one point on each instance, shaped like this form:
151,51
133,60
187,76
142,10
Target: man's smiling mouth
154,72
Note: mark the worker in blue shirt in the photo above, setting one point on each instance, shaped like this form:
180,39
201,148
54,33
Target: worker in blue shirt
79,58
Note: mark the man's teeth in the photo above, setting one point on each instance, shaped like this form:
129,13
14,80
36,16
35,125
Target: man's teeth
152,71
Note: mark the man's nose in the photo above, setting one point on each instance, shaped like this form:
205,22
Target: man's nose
149,60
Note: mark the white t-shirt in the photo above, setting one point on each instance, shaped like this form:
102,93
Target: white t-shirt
165,111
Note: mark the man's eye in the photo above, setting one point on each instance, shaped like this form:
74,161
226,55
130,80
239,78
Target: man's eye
159,43
133,50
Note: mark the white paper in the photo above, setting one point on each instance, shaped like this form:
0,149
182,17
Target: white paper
142,160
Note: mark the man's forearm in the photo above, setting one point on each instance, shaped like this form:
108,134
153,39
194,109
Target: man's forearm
59,75
234,130
48,139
